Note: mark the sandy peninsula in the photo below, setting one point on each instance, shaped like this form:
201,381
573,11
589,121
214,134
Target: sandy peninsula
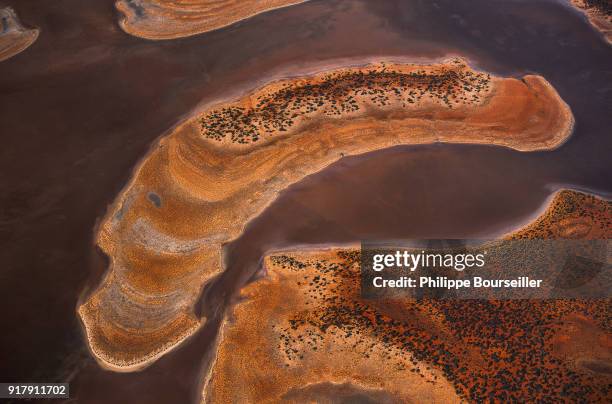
599,13
14,37
170,19
304,334
201,184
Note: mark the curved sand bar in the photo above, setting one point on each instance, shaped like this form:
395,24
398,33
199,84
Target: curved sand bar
200,185
14,37
170,19
303,330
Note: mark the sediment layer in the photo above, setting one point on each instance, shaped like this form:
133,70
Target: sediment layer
304,328
14,37
201,184
599,13
169,19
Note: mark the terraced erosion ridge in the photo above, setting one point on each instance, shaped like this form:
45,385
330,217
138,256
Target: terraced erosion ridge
201,184
599,13
169,19
304,334
14,37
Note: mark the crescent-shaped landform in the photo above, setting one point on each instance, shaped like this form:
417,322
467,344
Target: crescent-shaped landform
302,333
170,19
599,13
14,37
199,186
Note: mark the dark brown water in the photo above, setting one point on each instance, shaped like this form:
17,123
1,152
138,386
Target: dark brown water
81,105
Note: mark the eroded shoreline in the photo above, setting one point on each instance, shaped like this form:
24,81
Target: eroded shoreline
163,19
303,324
599,14
198,189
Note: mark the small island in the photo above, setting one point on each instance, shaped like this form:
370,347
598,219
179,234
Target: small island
14,37
167,19
200,185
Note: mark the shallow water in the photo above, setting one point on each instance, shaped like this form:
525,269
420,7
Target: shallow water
82,104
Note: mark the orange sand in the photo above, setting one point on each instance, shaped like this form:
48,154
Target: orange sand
256,364
198,187
169,19
304,325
